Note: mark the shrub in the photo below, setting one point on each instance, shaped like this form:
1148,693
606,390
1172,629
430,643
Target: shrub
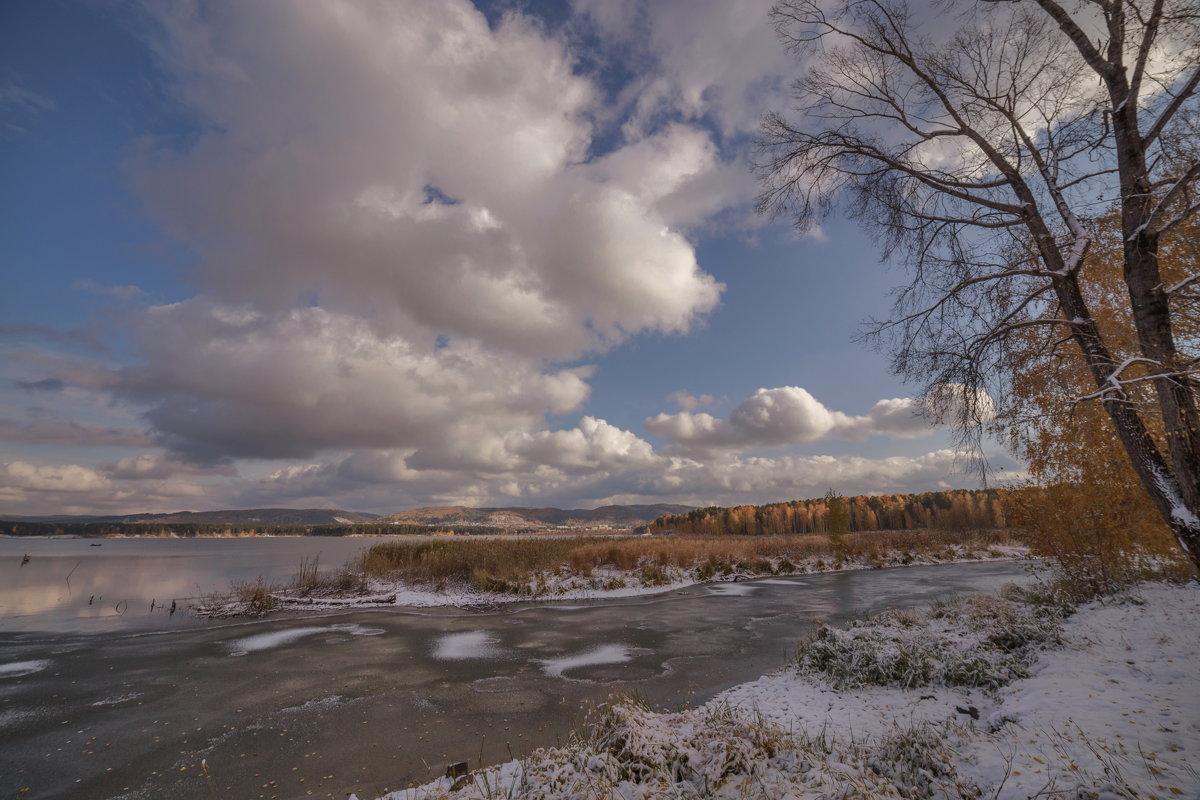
1101,535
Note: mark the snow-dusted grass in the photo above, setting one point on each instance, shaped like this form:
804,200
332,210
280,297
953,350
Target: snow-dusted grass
979,641
480,572
1096,702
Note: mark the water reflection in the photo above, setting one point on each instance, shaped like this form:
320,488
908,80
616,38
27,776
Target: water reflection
75,585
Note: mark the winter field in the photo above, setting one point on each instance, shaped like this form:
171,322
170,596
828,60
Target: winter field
1013,696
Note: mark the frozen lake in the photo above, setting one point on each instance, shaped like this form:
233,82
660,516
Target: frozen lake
108,585
372,700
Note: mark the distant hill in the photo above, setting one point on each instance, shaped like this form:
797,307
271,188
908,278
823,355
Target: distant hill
521,517
242,516
606,516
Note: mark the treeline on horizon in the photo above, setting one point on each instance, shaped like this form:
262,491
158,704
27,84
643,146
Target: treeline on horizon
955,509
194,529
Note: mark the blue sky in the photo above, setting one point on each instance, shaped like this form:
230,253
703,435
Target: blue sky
382,255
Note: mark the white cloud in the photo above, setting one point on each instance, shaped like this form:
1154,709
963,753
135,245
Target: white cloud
787,415
329,123
403,218
592,445
19,475
717,59
226,382
386,482
759,480
688,401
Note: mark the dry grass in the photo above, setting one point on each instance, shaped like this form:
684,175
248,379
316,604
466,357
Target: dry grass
257,596
508,564
311,582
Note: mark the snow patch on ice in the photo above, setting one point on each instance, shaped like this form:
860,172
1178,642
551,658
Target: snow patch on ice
731,589
273,639
18,668
117,699
268,641
463,646
316,704
604,654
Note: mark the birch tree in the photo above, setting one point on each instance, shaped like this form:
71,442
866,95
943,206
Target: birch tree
976,156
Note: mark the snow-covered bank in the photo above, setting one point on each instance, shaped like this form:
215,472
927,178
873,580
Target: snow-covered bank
570,585
982,697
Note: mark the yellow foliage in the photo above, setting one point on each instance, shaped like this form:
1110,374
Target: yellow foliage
1086,509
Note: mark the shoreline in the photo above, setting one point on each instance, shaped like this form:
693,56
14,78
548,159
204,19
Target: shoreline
573,587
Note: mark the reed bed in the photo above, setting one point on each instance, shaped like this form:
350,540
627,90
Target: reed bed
511,564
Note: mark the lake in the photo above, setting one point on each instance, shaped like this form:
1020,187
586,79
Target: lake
365,701
104,585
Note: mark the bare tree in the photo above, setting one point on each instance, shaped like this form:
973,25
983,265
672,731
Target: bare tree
978,158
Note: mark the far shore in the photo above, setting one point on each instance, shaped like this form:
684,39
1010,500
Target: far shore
477,572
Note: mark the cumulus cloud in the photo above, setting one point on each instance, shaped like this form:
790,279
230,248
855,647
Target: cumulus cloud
385,481
758,480
592,445
688,401
716,59
401,226
790,415
71,488
19,475
405,162
225,382
405,219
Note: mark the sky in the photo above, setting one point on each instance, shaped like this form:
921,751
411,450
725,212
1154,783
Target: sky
385,254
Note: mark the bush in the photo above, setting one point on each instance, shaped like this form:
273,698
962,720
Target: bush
1100,535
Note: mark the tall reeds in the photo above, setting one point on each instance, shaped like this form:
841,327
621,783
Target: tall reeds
502,564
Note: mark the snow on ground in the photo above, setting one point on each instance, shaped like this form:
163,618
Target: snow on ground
1105,704
1124,692
16,669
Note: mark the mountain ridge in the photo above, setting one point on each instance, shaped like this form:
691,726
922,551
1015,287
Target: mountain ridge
614,516
617,516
